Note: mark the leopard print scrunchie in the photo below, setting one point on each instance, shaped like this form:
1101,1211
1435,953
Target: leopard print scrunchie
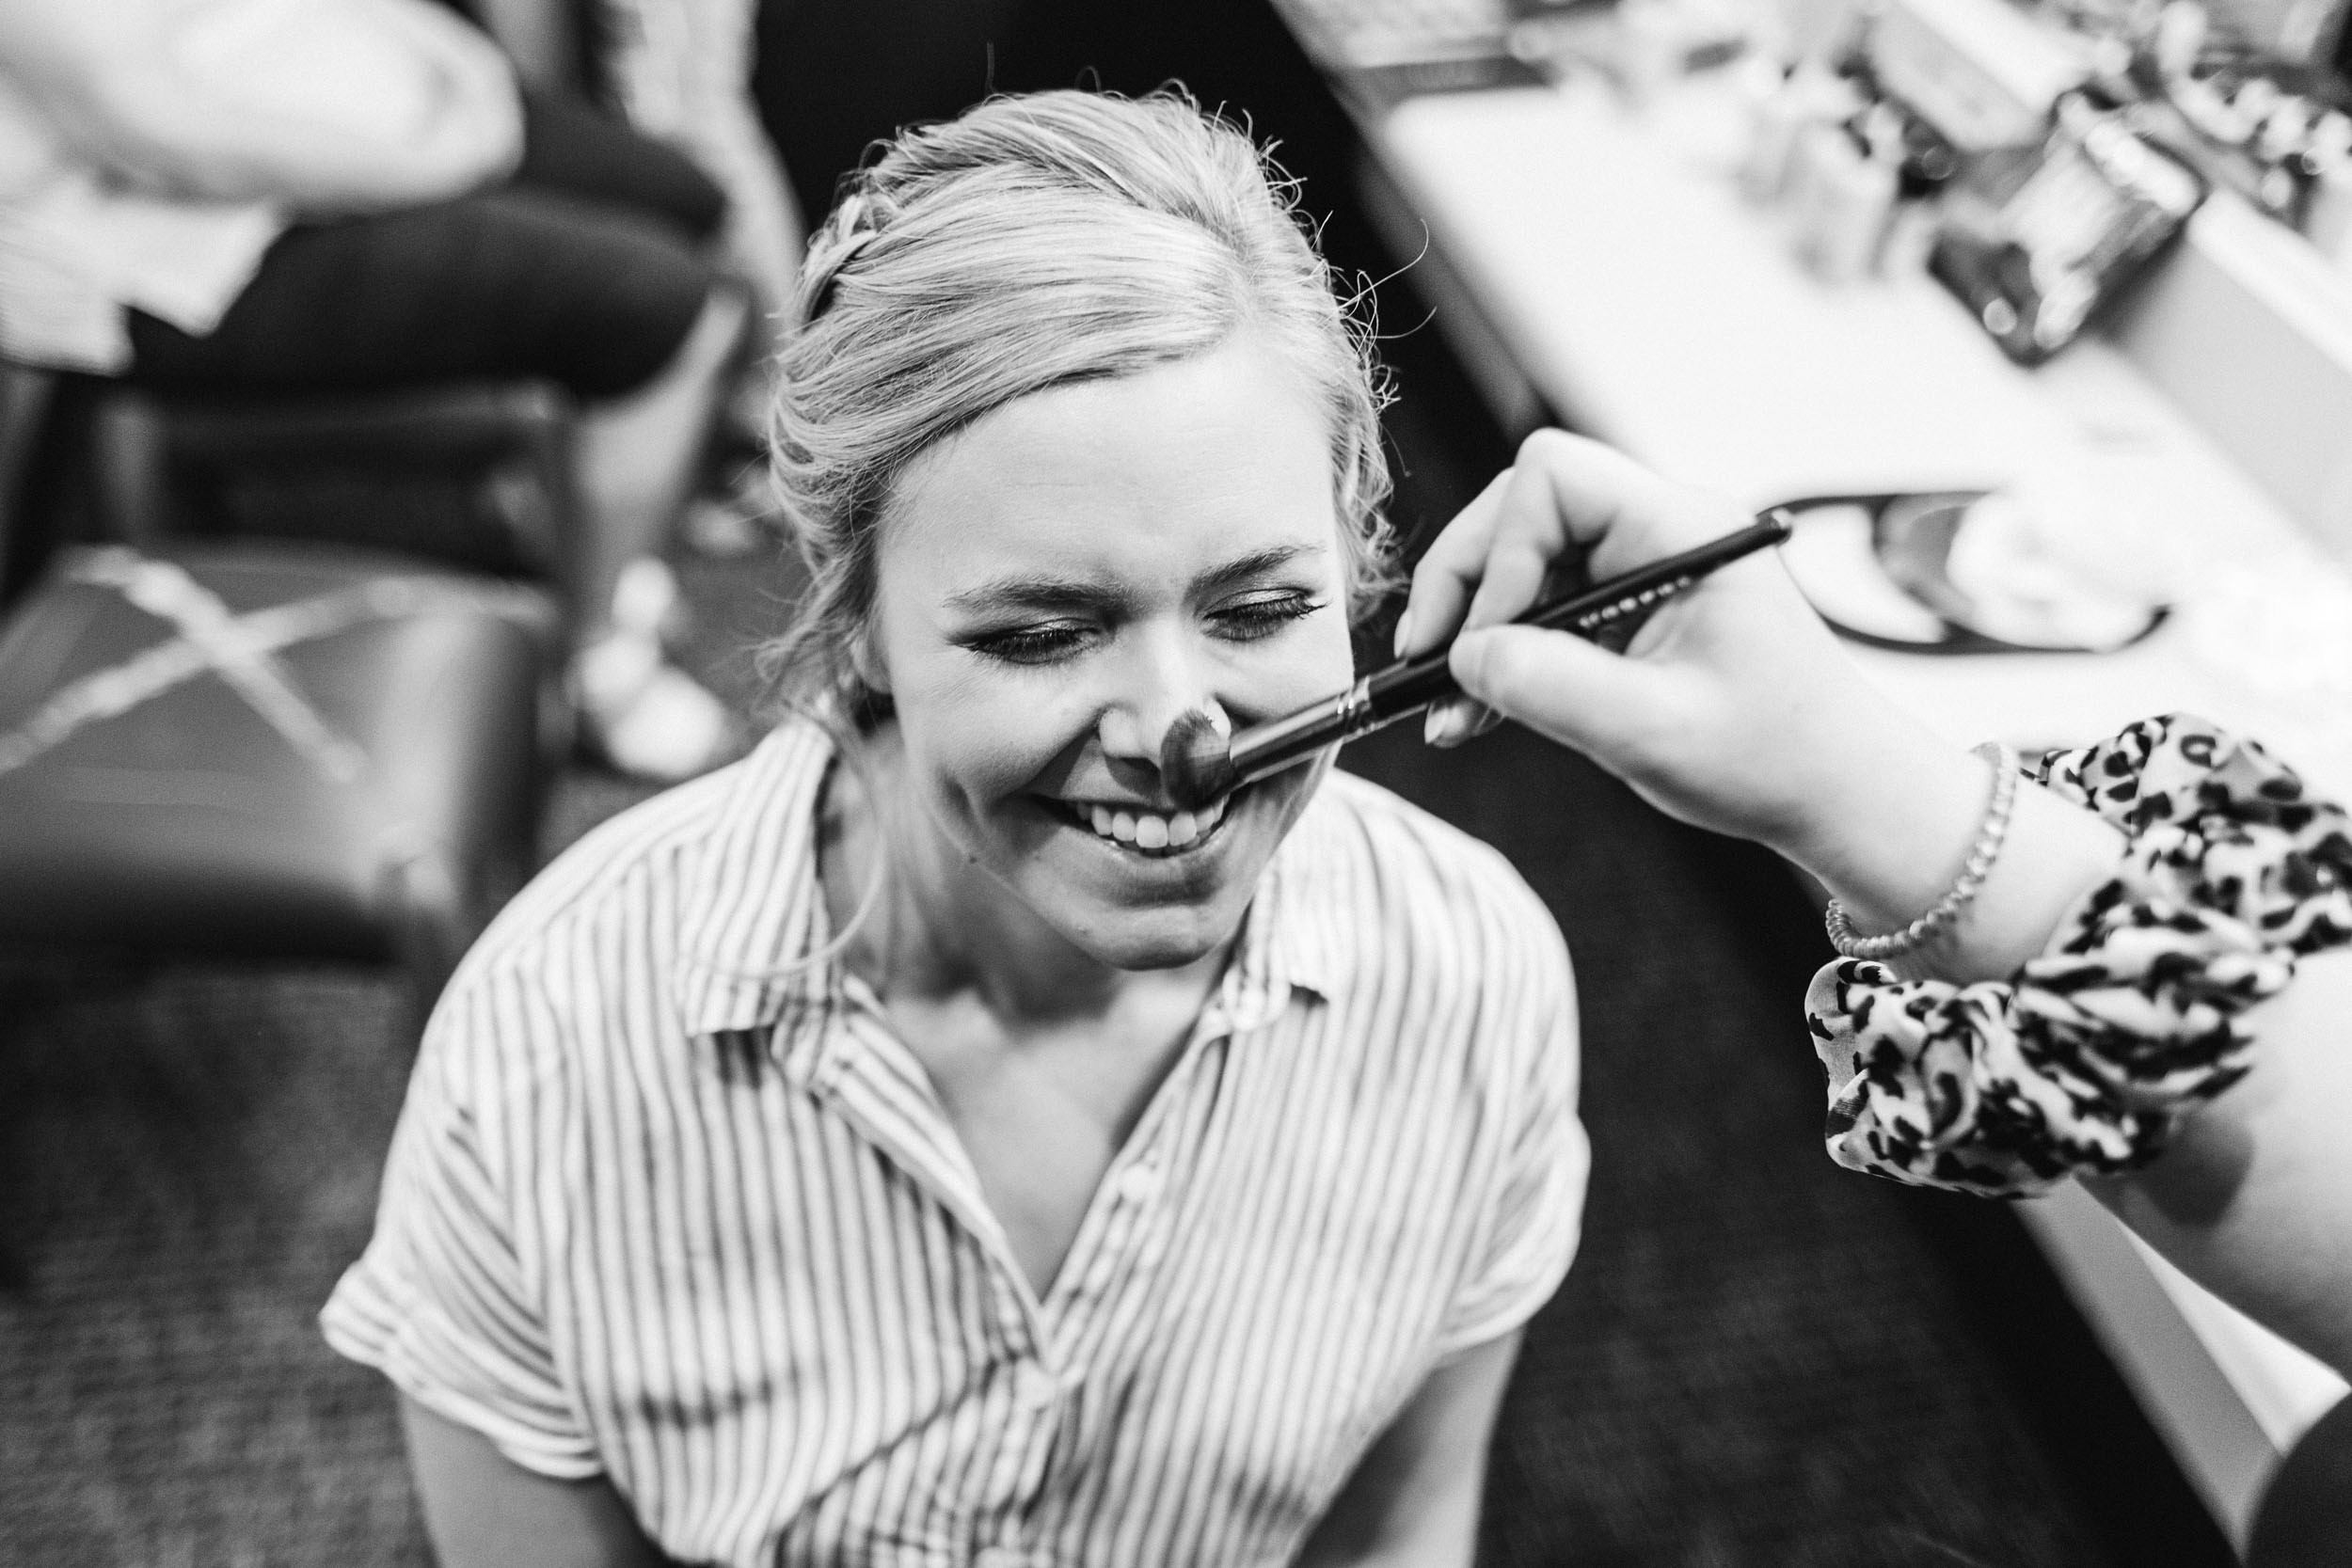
2087,1058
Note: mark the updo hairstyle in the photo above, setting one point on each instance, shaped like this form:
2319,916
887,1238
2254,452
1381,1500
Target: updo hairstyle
1031,242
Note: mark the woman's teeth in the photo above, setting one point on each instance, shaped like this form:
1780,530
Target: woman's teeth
1147,829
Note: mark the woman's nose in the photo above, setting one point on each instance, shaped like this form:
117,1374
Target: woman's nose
1140,735
1135,725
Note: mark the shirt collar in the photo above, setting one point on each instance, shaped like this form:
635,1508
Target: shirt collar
1280,949
754,922
753,919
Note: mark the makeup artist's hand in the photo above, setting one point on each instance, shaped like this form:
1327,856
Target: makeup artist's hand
1733,707
1728,705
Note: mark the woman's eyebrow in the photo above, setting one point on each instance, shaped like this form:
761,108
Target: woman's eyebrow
1059,593
1037,592
1257,563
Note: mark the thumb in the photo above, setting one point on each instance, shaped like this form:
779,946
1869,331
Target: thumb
1559,685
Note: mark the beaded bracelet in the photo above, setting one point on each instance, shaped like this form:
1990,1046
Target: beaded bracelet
1945,911
2088,1058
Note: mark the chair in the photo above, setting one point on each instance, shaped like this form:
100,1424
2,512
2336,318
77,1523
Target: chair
477,475
283,746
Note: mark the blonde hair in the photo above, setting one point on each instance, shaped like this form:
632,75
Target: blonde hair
1031,242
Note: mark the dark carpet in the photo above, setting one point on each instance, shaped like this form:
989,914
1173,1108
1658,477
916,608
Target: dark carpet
1759,1358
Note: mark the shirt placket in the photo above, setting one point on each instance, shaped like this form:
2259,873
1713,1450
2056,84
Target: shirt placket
1048,1374
1125,1235
882,1098
1035,1397
1035,1383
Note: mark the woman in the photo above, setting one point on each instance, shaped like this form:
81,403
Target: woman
2143,983
921,1142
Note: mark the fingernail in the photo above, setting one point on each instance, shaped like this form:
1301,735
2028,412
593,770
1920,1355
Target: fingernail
1443,727
1404,632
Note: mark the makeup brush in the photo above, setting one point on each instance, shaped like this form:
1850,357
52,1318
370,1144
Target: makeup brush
1199,761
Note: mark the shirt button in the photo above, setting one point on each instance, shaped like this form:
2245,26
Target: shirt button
1035,1387
1140,1183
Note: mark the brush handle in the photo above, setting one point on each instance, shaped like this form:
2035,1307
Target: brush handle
1411,685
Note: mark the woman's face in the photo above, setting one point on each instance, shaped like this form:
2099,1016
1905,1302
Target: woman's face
1054,586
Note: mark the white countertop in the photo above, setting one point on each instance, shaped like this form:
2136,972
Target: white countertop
1655,308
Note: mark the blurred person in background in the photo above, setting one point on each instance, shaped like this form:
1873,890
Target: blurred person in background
289,196
680,72
2130,967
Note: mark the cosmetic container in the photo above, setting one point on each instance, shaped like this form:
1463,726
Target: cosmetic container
1842,198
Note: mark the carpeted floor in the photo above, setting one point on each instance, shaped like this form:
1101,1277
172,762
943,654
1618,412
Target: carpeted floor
1759,1360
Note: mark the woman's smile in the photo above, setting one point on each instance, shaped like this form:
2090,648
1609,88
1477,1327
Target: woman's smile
1138,854
1147,831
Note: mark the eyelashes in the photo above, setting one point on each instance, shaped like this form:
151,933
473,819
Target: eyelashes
1243,621
1255,618
1029,645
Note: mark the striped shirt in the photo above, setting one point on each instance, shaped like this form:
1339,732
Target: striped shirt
662,1208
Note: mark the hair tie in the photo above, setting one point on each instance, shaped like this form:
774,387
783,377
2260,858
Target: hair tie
2087,1058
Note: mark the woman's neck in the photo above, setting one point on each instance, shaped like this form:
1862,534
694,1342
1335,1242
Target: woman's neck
941,926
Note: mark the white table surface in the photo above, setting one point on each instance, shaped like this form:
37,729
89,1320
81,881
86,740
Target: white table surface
1656,308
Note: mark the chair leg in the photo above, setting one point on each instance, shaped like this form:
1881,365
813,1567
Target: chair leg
24,397
433,920
130,484
436,913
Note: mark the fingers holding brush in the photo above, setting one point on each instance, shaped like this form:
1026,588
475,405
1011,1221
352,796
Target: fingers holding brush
1564,496
1729,707
1443,584
1567,504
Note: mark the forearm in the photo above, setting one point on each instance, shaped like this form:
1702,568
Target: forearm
191,112
243,156
2253,1199
1413,1501
482,1511
1889,820
1355,1535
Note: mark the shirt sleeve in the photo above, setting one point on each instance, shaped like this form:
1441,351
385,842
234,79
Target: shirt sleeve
448,1300
1532,1229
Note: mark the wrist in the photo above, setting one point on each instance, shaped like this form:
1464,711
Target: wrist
2056,853
1884,818
1934,925
1905,836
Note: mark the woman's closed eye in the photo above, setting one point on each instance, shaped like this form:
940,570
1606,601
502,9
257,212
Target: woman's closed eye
1258,615
1247,619
1047,642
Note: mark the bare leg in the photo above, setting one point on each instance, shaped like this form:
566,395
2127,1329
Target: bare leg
639,456
637,459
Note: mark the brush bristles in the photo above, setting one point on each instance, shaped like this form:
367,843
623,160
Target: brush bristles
1196,760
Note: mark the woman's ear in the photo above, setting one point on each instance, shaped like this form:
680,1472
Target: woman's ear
866,662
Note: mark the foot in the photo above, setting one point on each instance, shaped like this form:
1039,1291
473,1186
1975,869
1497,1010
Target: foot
646,717
647,601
